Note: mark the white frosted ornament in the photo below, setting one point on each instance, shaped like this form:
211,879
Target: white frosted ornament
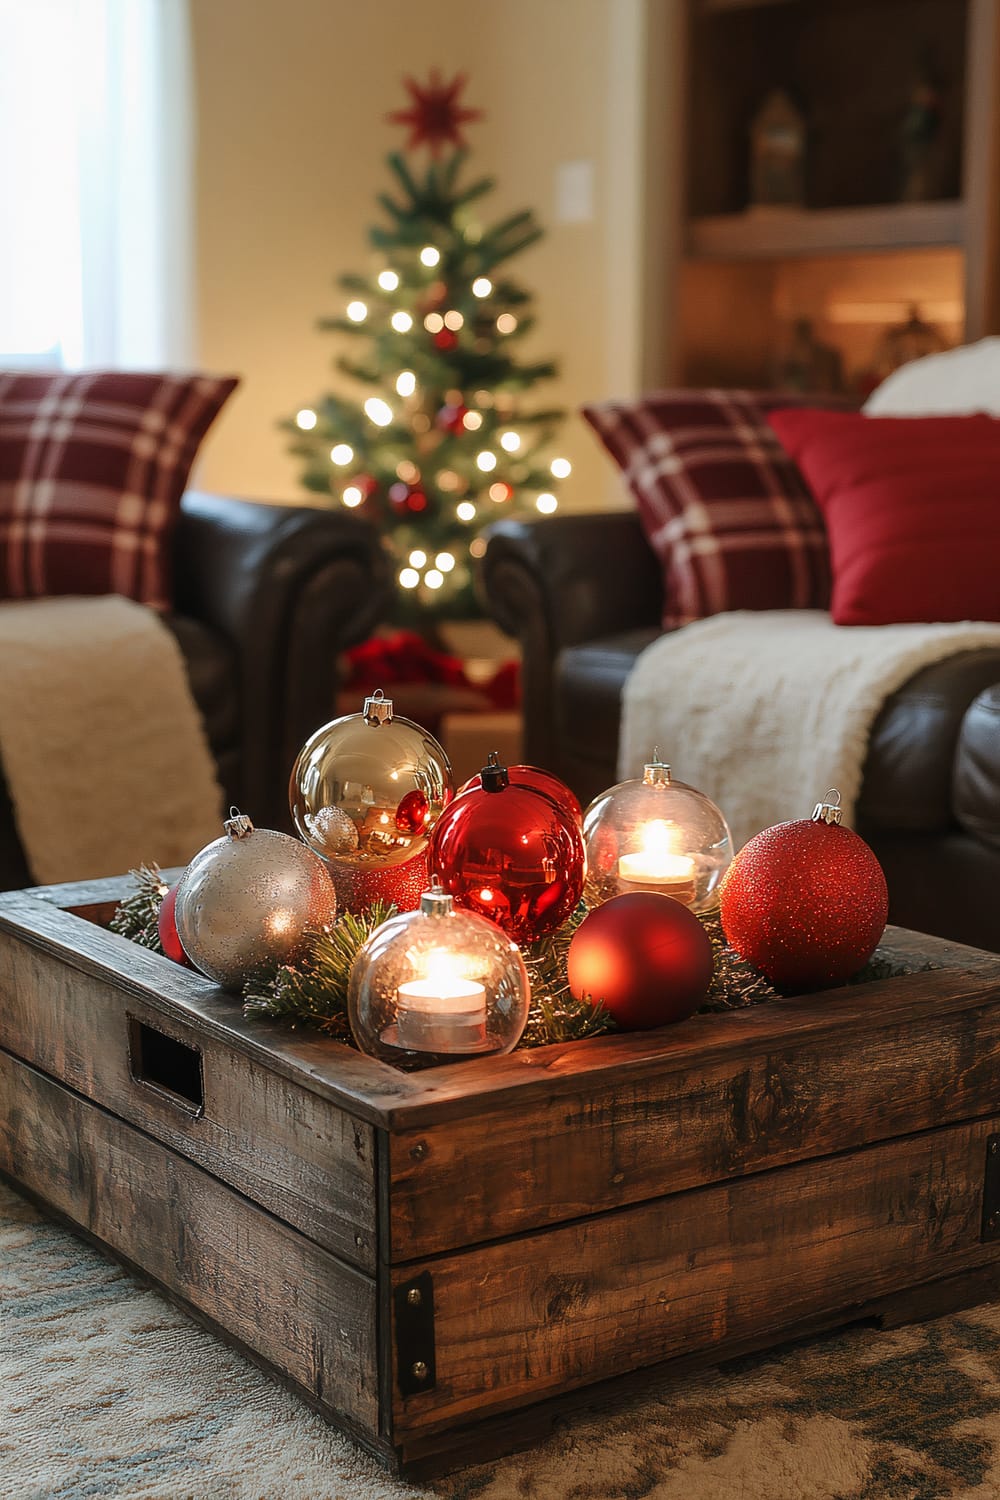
248,902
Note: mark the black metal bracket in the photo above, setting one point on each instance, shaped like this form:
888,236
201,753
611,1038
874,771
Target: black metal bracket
413,1303
991,1191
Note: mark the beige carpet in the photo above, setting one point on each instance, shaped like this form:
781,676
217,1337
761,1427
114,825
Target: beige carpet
107,1391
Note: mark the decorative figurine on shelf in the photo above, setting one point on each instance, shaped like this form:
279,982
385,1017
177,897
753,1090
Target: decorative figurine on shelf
921,162
806,364
902,342
777,154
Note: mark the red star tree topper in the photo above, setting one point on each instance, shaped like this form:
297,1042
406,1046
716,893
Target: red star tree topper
435,117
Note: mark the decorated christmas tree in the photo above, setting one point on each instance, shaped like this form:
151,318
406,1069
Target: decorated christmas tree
441,444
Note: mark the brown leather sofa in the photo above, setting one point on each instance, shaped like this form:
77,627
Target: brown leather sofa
582,594
267,596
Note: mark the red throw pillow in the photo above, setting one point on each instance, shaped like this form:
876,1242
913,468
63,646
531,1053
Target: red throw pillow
912,507
721,503
92,469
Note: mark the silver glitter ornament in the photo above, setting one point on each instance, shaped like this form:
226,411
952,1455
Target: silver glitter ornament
246,903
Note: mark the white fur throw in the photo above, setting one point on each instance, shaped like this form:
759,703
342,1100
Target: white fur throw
765,711
103,749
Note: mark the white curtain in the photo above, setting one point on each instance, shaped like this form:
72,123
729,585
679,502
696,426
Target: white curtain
95,183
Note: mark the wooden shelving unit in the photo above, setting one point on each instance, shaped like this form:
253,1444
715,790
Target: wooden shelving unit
852,258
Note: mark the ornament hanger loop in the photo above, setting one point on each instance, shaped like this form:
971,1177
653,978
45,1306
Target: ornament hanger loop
238,825
377,709
829,811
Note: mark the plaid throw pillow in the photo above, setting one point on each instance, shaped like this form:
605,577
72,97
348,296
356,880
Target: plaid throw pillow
92,469
723,506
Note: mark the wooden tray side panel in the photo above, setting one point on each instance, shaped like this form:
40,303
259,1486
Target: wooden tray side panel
529,1318
756,1107
297,1154
309,1315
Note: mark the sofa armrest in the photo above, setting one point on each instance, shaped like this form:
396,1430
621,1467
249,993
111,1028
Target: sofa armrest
556,582
289,587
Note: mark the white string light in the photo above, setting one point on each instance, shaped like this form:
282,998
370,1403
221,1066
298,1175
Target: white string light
378,411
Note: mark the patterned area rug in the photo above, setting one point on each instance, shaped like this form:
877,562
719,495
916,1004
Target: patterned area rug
107,1391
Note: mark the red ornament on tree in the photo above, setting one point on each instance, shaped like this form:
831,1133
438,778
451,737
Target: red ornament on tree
805,902
166,926
645,956
510,853
540,781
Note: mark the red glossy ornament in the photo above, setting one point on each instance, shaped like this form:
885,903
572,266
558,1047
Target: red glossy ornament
510,853
645,956
403,884
805,902
540,781
166,926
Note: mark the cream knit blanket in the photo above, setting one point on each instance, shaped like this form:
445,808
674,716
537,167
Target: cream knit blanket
103,749
764,711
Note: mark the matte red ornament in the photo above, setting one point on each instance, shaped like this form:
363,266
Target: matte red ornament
540,781
805,902
510,853
645,957
166,926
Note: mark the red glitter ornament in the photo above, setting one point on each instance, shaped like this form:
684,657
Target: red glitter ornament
805,902
166,926
645,957
540,781
402,884
511,854
435,117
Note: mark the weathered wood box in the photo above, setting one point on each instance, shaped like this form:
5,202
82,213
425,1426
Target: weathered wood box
439,1260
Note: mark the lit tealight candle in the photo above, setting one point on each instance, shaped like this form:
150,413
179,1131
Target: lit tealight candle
441,1014
657,868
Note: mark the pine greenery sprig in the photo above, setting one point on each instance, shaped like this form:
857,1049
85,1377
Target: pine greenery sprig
136,917
314,992
735,983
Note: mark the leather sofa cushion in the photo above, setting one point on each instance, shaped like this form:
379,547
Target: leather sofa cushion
977,768
212,674
912,751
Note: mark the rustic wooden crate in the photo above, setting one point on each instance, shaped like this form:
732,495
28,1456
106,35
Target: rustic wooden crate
440,1261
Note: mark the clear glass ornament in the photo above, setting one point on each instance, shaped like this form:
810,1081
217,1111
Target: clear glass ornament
367,789
656,834
437,984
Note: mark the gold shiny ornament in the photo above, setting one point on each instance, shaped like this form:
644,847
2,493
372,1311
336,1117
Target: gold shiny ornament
248,902
384,775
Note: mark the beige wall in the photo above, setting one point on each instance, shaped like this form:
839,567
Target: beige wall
291,97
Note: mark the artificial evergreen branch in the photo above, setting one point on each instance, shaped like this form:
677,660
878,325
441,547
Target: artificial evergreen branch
314,992
136,917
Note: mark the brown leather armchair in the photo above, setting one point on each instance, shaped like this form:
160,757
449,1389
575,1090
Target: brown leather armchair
582,594
267,597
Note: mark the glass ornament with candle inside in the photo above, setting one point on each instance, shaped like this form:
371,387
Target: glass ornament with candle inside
656,834
436,985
